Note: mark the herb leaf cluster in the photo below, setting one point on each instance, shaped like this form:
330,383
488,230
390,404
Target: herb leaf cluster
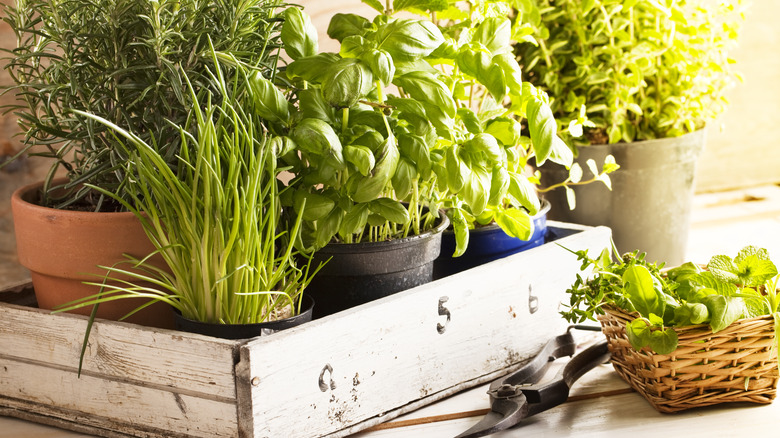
630,70
410,113
718,295
125,61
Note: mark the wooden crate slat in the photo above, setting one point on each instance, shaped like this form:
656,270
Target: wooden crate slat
132,406
125,351
345,369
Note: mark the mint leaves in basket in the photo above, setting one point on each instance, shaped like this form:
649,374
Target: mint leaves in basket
724,291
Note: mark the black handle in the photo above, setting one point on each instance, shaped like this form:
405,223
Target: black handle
543,397
557,347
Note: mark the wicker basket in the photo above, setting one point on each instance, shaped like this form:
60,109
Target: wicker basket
737,364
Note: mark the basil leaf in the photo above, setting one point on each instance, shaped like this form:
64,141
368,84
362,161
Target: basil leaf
542,126
354,220
361,157
499,186
642,291
470,120
476,190
512,71
425,87
494,33
376,4
477,62
312,68
366,189
328,226
298,34
461,230
318,137
390,209
381,64
723,310
524,193
269,101
457,171
344,25
413,148
486,144
402,180
314,205
408,40
506,130
516,223
313,106
346,82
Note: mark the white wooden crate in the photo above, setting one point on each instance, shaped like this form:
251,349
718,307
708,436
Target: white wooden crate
330,377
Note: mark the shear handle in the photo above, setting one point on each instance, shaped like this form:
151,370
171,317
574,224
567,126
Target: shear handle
557,347
543,397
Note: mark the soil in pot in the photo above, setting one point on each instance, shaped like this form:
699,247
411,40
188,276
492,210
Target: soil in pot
62,249
246,331
486,244
357,273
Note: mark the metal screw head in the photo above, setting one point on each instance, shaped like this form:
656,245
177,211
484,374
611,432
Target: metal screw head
255,381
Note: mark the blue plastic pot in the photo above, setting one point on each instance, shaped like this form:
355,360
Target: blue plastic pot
486,244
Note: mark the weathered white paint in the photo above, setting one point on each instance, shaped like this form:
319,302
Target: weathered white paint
380,357
330,377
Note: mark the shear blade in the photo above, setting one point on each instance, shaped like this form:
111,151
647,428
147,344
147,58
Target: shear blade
503,415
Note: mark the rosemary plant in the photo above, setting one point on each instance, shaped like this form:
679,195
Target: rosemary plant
216,220
124,61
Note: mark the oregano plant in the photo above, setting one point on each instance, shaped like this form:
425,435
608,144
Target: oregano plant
629,70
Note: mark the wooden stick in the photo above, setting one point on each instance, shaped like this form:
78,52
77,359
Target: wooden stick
482,412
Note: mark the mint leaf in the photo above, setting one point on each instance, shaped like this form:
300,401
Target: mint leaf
754,271
663,341
724,269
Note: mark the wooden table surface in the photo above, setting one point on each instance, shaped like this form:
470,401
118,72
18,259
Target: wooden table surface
601,405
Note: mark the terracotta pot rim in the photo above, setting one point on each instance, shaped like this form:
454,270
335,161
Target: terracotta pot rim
19,195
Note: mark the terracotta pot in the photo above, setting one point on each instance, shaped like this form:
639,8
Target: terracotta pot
62,248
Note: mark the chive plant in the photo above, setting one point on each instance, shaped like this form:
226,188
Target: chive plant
215,218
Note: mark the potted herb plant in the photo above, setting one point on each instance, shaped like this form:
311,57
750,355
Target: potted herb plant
640,80
408,115
124,61
216,220
688,336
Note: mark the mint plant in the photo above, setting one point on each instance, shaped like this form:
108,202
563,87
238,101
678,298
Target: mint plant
632,70
727,290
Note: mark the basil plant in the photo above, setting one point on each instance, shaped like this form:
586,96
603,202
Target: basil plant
409,117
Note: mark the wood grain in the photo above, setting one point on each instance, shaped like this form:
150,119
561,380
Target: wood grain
379,357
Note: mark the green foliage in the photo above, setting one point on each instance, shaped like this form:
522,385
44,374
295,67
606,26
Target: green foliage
633,69
125,61
687,295
216,219
428,112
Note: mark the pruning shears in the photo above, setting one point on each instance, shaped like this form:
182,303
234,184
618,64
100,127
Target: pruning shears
518,395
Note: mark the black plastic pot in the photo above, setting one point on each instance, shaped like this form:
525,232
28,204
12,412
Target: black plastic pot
650,203
357,273
246,331
486,244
